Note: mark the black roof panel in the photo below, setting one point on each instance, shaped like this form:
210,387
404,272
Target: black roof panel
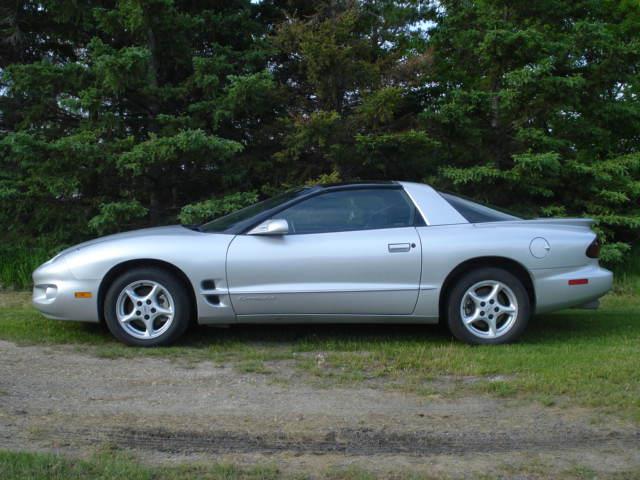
360,184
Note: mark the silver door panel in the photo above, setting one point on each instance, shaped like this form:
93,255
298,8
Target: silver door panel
341,273
378,302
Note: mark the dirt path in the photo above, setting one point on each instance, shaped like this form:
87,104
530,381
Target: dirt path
55,399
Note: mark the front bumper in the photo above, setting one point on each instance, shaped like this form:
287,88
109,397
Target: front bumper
54,293
553,291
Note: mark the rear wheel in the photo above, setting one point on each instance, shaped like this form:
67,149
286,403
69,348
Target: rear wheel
147,307
488,306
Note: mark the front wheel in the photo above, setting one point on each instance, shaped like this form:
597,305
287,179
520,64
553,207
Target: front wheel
488,306
147,307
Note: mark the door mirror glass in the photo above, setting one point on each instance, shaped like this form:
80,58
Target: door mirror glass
276,226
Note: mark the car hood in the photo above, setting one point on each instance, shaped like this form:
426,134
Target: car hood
170,230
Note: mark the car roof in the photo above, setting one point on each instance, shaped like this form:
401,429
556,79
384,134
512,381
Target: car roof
358,184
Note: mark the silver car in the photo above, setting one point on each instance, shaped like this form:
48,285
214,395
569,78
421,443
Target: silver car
386,252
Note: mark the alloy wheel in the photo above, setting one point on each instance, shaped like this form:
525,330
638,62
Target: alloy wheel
145,309
489,309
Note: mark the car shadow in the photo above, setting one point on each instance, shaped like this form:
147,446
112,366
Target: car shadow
561,327
279,334
569,325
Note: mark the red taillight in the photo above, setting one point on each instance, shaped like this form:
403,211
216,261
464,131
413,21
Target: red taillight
579,281
593,251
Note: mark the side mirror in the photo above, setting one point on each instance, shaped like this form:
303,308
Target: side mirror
276,226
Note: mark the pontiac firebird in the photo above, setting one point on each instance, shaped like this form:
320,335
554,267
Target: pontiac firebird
392,252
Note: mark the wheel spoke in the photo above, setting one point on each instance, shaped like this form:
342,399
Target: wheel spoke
133,296
128,317
472,318
148,325
493,295
509,309
491,323
475,297
160,310
152,293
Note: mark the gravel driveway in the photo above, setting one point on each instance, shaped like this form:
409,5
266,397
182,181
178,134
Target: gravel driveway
55,399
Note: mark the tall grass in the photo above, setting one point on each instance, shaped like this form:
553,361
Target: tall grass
17,262
627,274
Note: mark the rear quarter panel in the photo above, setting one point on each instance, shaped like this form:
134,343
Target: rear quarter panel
444,247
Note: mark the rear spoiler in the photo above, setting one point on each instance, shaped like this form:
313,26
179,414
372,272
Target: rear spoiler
551,222
569,222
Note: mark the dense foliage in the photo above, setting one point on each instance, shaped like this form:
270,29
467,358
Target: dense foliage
120,114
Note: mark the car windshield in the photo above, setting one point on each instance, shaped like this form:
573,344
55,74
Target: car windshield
224,223
475,212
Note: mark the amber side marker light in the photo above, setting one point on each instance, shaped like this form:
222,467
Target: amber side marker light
82,294
578,281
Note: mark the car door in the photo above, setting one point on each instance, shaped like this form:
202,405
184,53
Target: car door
347,252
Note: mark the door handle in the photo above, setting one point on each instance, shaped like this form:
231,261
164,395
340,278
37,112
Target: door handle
399,247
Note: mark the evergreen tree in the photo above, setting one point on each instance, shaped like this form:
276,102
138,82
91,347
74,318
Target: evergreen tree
115,110
349,69
535,106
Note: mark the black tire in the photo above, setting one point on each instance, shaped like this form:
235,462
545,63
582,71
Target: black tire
182,309
454,316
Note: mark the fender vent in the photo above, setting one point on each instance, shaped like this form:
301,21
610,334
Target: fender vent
213,299
208,285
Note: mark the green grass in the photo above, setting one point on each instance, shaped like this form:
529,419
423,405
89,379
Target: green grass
112,465
586,358
627,274
107,466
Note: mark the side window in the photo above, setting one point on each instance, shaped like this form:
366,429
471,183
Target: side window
476,212
345,210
